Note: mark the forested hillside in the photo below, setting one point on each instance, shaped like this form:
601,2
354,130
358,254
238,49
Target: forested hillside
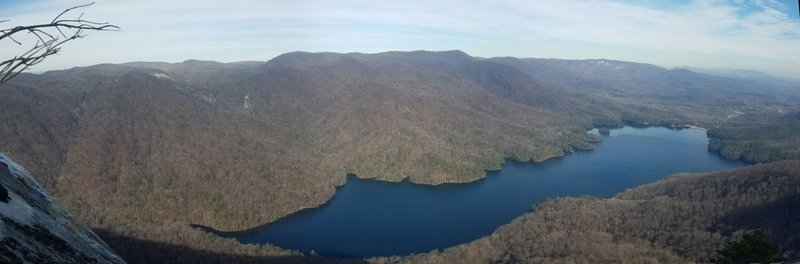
754,120
142,150
683,218
758,137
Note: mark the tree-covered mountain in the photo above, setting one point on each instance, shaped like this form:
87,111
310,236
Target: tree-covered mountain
141,150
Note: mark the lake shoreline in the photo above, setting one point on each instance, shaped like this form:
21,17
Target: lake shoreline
453,182
502,177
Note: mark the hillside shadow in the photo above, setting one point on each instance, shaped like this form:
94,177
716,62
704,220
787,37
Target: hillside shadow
135,250
781,218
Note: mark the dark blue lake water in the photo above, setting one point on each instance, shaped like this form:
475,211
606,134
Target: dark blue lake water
372,218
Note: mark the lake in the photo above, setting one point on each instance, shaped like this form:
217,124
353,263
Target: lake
373,218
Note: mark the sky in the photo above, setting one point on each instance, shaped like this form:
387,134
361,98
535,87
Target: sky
760,35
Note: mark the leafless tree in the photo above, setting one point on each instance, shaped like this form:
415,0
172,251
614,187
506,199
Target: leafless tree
48,39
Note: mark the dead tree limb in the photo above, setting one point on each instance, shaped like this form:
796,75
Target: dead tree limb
47,39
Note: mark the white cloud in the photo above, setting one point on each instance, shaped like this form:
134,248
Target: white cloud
713,33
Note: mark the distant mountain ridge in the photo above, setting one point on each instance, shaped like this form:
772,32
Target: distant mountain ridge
739,74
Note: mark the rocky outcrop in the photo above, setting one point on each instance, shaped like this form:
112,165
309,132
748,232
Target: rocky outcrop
36,229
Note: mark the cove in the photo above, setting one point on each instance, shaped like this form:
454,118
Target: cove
373,218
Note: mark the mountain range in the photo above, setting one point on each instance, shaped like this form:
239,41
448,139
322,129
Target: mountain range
144,149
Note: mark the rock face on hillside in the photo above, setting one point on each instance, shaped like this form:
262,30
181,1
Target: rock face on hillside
35,229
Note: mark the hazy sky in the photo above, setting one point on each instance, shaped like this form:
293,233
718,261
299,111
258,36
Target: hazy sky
759,34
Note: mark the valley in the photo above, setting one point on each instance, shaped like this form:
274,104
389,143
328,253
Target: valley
140,151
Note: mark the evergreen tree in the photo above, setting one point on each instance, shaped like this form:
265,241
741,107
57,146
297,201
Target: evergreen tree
753,247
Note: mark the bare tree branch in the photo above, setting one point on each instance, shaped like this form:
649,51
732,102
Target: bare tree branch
69,9
49,38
